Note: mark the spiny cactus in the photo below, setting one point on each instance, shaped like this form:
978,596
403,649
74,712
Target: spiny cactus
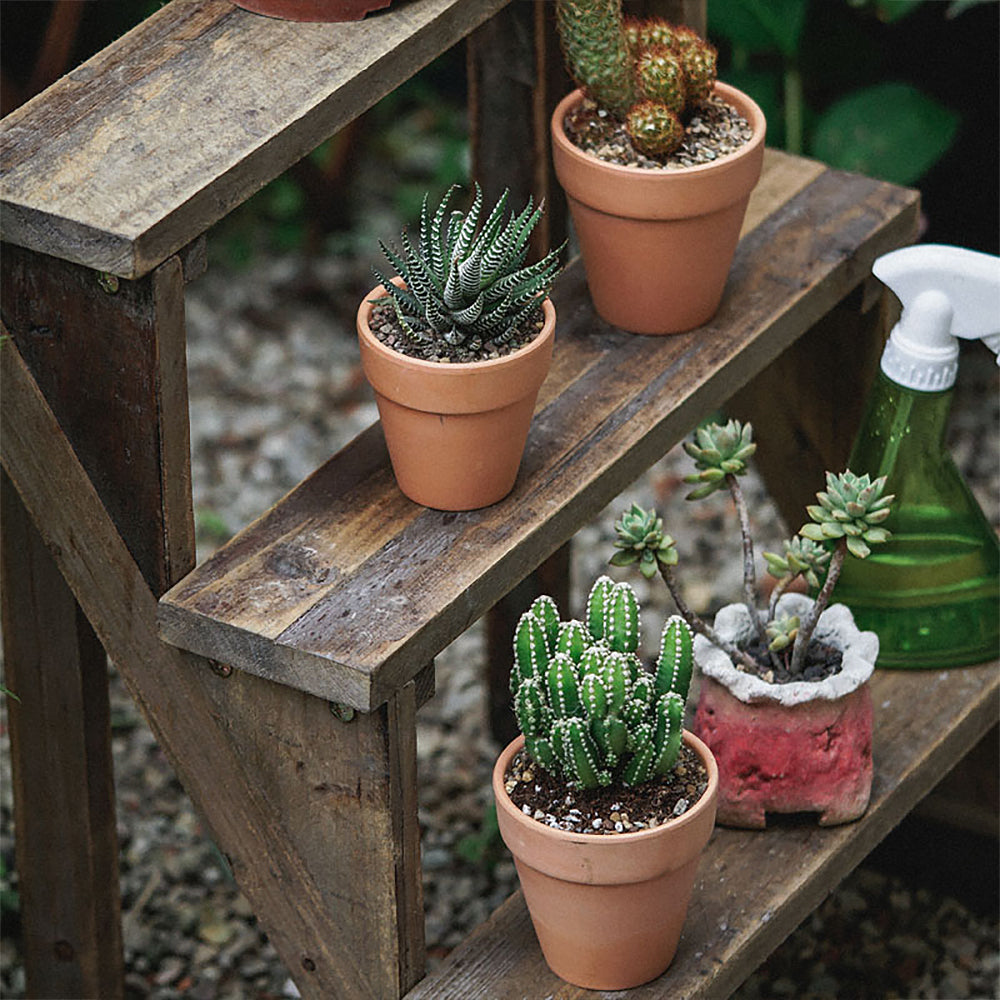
649,74
465,281
583,700
847,520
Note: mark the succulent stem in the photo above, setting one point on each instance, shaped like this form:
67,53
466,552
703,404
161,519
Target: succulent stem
697,623
808,625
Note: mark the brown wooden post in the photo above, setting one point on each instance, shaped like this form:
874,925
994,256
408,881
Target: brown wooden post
64,805
109,354
515,80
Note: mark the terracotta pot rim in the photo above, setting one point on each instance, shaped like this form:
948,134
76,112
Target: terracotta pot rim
456,368
705,802
724,90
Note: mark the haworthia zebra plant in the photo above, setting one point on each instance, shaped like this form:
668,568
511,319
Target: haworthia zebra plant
466,281
846,521
586,705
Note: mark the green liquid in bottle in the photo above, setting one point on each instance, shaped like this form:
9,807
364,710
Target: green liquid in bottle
932,592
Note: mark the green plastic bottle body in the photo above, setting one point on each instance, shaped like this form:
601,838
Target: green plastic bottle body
932,592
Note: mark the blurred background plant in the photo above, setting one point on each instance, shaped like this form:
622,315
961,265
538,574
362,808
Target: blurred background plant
901,90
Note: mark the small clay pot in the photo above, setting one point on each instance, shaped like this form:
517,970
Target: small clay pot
803,747
313,10
657,244
455,432
607,909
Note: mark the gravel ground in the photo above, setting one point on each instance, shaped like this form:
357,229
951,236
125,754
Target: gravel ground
275,388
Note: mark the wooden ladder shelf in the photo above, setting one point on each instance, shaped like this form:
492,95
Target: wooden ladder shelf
342,594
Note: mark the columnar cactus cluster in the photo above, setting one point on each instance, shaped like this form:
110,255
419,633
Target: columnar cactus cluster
846,521
648,73
465,281
585,703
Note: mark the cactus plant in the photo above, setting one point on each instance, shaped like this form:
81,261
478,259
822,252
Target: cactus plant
649,74
583,700
847,520
465,280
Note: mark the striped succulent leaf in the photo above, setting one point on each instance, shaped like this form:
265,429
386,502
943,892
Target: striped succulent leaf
466,282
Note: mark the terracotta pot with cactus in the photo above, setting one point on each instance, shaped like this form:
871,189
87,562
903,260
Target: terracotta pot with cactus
456,347
658,224
784,701
605,801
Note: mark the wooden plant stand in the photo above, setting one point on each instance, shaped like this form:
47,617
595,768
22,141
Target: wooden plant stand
282,677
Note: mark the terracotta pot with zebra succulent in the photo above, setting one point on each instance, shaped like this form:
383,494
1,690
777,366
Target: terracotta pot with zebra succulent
456,347
605,801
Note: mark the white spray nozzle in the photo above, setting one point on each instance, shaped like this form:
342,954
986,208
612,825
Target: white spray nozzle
946,292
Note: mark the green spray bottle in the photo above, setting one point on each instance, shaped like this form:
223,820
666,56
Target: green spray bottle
932,592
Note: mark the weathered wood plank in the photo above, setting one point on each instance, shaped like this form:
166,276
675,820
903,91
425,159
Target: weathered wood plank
105,356
62,776
142,148
345,604
753,887
354,936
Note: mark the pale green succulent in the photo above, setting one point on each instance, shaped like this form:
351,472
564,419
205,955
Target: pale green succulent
847,520
802,557
465,280
718,451
641,540
781,632
853,508
587,707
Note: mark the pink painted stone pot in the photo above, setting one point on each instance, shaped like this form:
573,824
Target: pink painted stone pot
789,748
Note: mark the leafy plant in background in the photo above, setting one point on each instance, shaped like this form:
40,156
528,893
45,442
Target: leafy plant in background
888,129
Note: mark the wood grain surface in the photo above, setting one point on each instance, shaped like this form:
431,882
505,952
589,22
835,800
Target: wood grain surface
345,588
138,151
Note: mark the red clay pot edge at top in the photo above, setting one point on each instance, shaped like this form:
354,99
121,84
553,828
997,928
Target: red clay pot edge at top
452,387
313,10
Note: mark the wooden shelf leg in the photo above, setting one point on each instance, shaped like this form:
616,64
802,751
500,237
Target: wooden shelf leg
317,815
63,782
347,795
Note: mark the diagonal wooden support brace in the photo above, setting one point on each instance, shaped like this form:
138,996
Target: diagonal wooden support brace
339,896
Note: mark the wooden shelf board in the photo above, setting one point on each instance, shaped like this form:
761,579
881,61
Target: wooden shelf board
755,887
138,151
345,588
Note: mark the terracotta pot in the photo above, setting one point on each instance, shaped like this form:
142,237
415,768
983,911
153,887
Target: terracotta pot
657,244
608,909
313,10
455,432
804,747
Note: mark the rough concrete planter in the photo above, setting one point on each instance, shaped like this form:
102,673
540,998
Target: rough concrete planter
787,748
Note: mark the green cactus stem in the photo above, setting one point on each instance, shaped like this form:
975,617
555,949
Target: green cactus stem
648,74
585,704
